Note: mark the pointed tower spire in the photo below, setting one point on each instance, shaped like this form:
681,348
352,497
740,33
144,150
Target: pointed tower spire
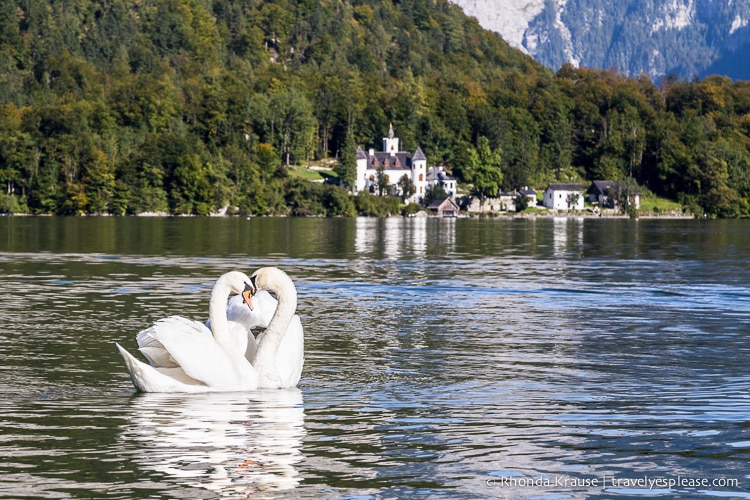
390,143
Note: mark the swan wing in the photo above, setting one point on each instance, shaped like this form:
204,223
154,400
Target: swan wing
153,350
158,356
196,352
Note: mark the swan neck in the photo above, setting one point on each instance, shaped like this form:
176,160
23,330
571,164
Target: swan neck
285,309
217,313
217,309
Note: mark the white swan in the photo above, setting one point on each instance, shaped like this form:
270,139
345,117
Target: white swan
280,353
186,356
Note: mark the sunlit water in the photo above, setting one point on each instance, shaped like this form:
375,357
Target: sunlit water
531,358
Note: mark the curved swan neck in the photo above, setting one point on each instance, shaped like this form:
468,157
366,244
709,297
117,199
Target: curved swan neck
217,307
279,283
217,313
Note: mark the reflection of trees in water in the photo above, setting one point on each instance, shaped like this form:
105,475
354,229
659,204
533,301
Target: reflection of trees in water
228,443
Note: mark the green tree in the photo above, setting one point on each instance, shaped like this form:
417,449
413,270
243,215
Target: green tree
623,194
292,113
484,167
98,177
12,148
717,197
346,168
382,181
338,202
268,163
434,192
191,186
521,202
377,206
407,187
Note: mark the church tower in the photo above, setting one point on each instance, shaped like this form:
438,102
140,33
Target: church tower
390,143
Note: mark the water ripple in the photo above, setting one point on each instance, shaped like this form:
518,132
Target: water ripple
435,367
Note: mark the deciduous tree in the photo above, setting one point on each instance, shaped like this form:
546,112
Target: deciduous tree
484,166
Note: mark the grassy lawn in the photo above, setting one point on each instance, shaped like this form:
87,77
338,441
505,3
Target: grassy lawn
651,203
311,174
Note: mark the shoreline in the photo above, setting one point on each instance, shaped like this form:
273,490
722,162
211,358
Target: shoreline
418,215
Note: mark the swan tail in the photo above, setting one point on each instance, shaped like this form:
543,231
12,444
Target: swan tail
147,378
134,369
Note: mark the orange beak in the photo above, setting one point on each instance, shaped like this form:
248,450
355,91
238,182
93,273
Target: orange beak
247,296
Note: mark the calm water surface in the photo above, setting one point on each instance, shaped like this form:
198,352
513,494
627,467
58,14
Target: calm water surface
532,358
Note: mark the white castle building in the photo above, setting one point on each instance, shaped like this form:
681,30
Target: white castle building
395,165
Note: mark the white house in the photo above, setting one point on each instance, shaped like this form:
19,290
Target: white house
395,165
438,175
564,197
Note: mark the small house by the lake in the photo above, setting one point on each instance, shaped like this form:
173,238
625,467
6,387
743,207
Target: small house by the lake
564,197
599,193
530,195
443,207
606,193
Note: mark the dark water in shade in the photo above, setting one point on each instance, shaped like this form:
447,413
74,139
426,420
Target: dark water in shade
529,358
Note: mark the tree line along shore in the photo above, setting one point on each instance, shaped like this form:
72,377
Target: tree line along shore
190,106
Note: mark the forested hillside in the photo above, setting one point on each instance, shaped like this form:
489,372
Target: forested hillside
185,106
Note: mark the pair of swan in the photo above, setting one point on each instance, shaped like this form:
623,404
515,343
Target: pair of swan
189,356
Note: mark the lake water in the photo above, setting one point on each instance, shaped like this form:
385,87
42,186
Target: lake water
526,358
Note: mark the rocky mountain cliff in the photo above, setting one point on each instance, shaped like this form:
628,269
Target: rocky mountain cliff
686,38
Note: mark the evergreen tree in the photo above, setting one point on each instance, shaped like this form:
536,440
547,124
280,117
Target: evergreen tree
346,168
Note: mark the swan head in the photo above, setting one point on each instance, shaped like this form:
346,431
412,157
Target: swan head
236,281
248,292
267,278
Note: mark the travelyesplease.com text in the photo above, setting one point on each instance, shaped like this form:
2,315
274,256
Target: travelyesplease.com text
641,482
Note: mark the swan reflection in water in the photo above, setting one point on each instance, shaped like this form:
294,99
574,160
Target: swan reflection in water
230,443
